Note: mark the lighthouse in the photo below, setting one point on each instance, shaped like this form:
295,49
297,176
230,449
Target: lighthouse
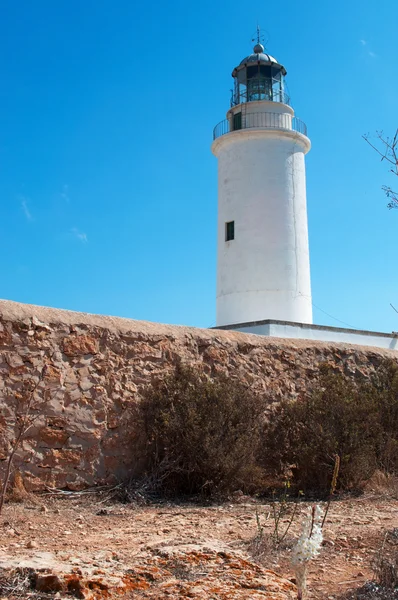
263,266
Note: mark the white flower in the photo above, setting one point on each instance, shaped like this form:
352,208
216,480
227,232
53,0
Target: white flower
310,540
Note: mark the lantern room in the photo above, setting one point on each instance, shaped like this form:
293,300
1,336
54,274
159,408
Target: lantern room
258,77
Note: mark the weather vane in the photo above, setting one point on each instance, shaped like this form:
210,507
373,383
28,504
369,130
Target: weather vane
259,37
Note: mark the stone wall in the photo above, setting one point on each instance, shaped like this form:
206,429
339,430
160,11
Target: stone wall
96,368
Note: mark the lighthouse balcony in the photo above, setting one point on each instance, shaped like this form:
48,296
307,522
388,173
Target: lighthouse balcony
259,120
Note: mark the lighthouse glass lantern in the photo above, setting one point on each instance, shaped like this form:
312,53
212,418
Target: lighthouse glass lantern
259,77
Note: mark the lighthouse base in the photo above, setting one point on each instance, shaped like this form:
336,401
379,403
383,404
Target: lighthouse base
286,329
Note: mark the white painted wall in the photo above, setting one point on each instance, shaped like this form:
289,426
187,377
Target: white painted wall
285,113
323,334
264,273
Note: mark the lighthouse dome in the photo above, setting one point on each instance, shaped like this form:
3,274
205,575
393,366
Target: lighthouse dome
259,76
258,57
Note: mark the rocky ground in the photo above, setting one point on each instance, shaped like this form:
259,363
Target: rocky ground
85,546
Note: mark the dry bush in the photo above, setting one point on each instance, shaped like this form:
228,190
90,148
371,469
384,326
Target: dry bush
339,418
385,568
385,564
388,573
384,385
202,434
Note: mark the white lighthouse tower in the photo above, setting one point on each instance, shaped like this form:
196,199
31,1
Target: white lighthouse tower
263,269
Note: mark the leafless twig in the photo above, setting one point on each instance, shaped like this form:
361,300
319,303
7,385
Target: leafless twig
24,423
387,148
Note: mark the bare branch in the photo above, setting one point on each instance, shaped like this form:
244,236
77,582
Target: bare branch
389,152
382,154
391,195
24,422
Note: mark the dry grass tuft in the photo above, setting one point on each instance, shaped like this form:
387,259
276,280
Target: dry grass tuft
383,484
17,583
385,567
386,562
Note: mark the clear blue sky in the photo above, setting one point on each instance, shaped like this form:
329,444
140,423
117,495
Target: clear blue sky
108,187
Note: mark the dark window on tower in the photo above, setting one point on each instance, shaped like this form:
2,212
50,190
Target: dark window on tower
237,121
229,231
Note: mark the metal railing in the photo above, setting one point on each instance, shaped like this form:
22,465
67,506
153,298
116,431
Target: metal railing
260,121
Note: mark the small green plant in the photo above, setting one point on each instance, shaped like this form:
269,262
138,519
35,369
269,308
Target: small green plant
282,509
282,513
